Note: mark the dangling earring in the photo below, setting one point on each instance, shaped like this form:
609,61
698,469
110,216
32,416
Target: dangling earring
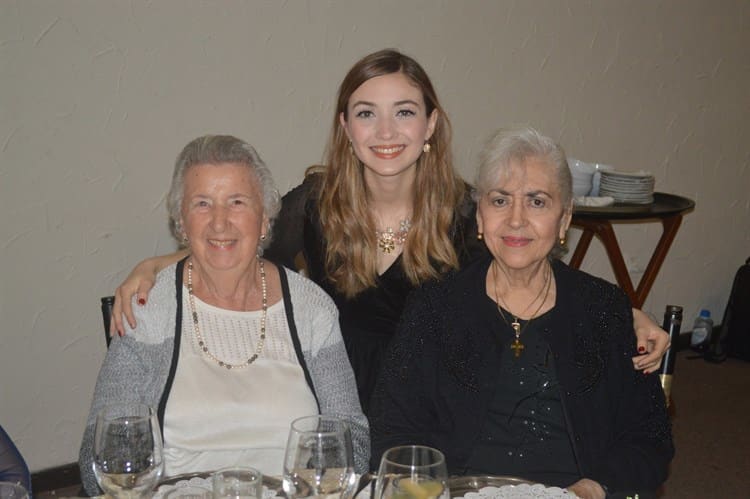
351,148
426,147
480,236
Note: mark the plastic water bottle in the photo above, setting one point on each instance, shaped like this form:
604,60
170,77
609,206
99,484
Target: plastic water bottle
700,339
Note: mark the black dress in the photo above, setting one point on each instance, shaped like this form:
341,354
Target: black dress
368,320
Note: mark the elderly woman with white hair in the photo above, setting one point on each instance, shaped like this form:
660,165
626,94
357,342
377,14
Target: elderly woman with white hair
230,348
518,364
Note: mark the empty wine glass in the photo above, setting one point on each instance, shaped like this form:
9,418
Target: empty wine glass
412,472
128,454
319,459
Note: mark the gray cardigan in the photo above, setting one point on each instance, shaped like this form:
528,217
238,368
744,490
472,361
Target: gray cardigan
140,366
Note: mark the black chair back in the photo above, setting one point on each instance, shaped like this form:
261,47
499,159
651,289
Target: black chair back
107,304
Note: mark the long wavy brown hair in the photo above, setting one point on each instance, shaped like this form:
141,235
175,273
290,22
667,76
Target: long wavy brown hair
351,255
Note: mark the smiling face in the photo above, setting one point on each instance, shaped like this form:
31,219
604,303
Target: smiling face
388,124
222,215
522,216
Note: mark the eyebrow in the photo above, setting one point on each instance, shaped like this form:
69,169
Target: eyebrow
526,194
229,196
397,103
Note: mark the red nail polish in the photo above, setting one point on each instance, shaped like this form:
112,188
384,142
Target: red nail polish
141,301
640,349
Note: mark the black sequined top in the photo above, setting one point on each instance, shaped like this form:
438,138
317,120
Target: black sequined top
438,382
524,433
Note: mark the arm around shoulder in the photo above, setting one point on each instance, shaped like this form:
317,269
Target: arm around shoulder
137,287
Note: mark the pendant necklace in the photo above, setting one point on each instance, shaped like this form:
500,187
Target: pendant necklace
517,346
263,317
388,239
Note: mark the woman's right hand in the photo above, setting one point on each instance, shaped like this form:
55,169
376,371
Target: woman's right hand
139,282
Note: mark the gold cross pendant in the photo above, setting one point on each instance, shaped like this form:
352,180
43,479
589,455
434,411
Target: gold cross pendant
517,347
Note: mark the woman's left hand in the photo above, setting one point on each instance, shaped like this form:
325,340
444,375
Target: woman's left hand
653,342
588,489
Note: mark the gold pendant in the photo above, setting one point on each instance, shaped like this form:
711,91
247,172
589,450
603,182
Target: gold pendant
386,245
517,347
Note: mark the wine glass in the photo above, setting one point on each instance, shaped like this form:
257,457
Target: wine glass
319,459
128,454
412,472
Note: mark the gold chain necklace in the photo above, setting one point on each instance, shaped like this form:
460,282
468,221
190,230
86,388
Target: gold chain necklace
388,238
264,315
517,346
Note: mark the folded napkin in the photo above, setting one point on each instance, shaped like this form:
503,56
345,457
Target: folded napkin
593,202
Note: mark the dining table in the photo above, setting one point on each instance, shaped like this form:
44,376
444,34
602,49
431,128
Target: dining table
470,487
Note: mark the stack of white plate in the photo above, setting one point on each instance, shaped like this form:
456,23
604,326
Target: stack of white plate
625,187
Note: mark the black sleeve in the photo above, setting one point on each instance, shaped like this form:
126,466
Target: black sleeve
288,228
468,247
640,452
403,404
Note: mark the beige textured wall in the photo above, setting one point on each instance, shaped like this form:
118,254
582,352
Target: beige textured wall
97,97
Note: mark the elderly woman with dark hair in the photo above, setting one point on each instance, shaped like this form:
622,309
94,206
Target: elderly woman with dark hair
518,364
231,348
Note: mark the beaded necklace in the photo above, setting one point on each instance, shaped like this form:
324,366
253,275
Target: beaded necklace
196,328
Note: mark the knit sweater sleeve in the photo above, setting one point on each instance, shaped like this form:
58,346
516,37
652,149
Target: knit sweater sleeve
135,367
316,319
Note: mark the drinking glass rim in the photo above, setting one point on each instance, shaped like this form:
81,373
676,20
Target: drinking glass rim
256,471
438,462
344,426
149,413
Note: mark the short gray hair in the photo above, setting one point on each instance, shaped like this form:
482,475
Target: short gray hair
518,144
214,150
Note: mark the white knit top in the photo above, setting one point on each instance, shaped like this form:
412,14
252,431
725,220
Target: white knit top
240,434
